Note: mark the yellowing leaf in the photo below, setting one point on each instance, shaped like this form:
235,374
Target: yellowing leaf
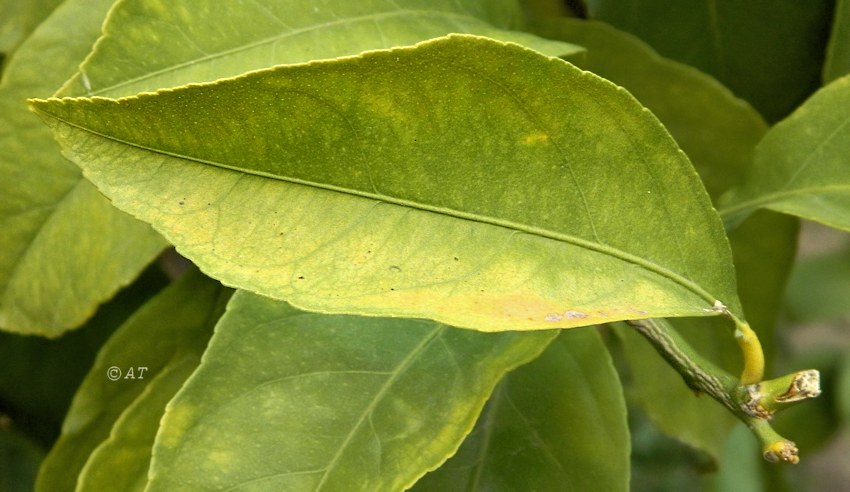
288,400
405,183
198,43
63,248
115,416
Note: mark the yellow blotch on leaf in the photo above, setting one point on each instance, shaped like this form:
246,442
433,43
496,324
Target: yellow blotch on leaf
535,138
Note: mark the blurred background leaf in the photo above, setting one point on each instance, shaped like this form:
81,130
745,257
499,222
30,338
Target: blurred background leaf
769,52
164,335
557,423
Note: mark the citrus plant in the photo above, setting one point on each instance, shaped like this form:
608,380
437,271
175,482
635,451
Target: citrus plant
382,245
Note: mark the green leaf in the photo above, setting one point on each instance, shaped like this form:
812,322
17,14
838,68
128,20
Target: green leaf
747,45
195,44
54,267
164,335
558,423
837,63
719,133
536,9
18,18
121,461
842,390
38,377
801,164
288,400
819,288
674,408
45,195
387,184
19,459
717,130
740,470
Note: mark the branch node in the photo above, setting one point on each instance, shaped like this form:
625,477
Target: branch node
752,405
764,399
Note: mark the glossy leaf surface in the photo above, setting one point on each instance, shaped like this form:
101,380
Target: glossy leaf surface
391,183
55,266
162,336
557,423
801,165
288,400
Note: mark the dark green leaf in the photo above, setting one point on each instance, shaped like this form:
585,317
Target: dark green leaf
837,62
820,287
558,423
740,469
767,51
19,459
38,377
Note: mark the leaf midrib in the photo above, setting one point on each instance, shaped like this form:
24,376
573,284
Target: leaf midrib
274,39
457,214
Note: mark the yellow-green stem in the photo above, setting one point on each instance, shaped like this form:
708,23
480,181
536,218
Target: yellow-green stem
751,350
